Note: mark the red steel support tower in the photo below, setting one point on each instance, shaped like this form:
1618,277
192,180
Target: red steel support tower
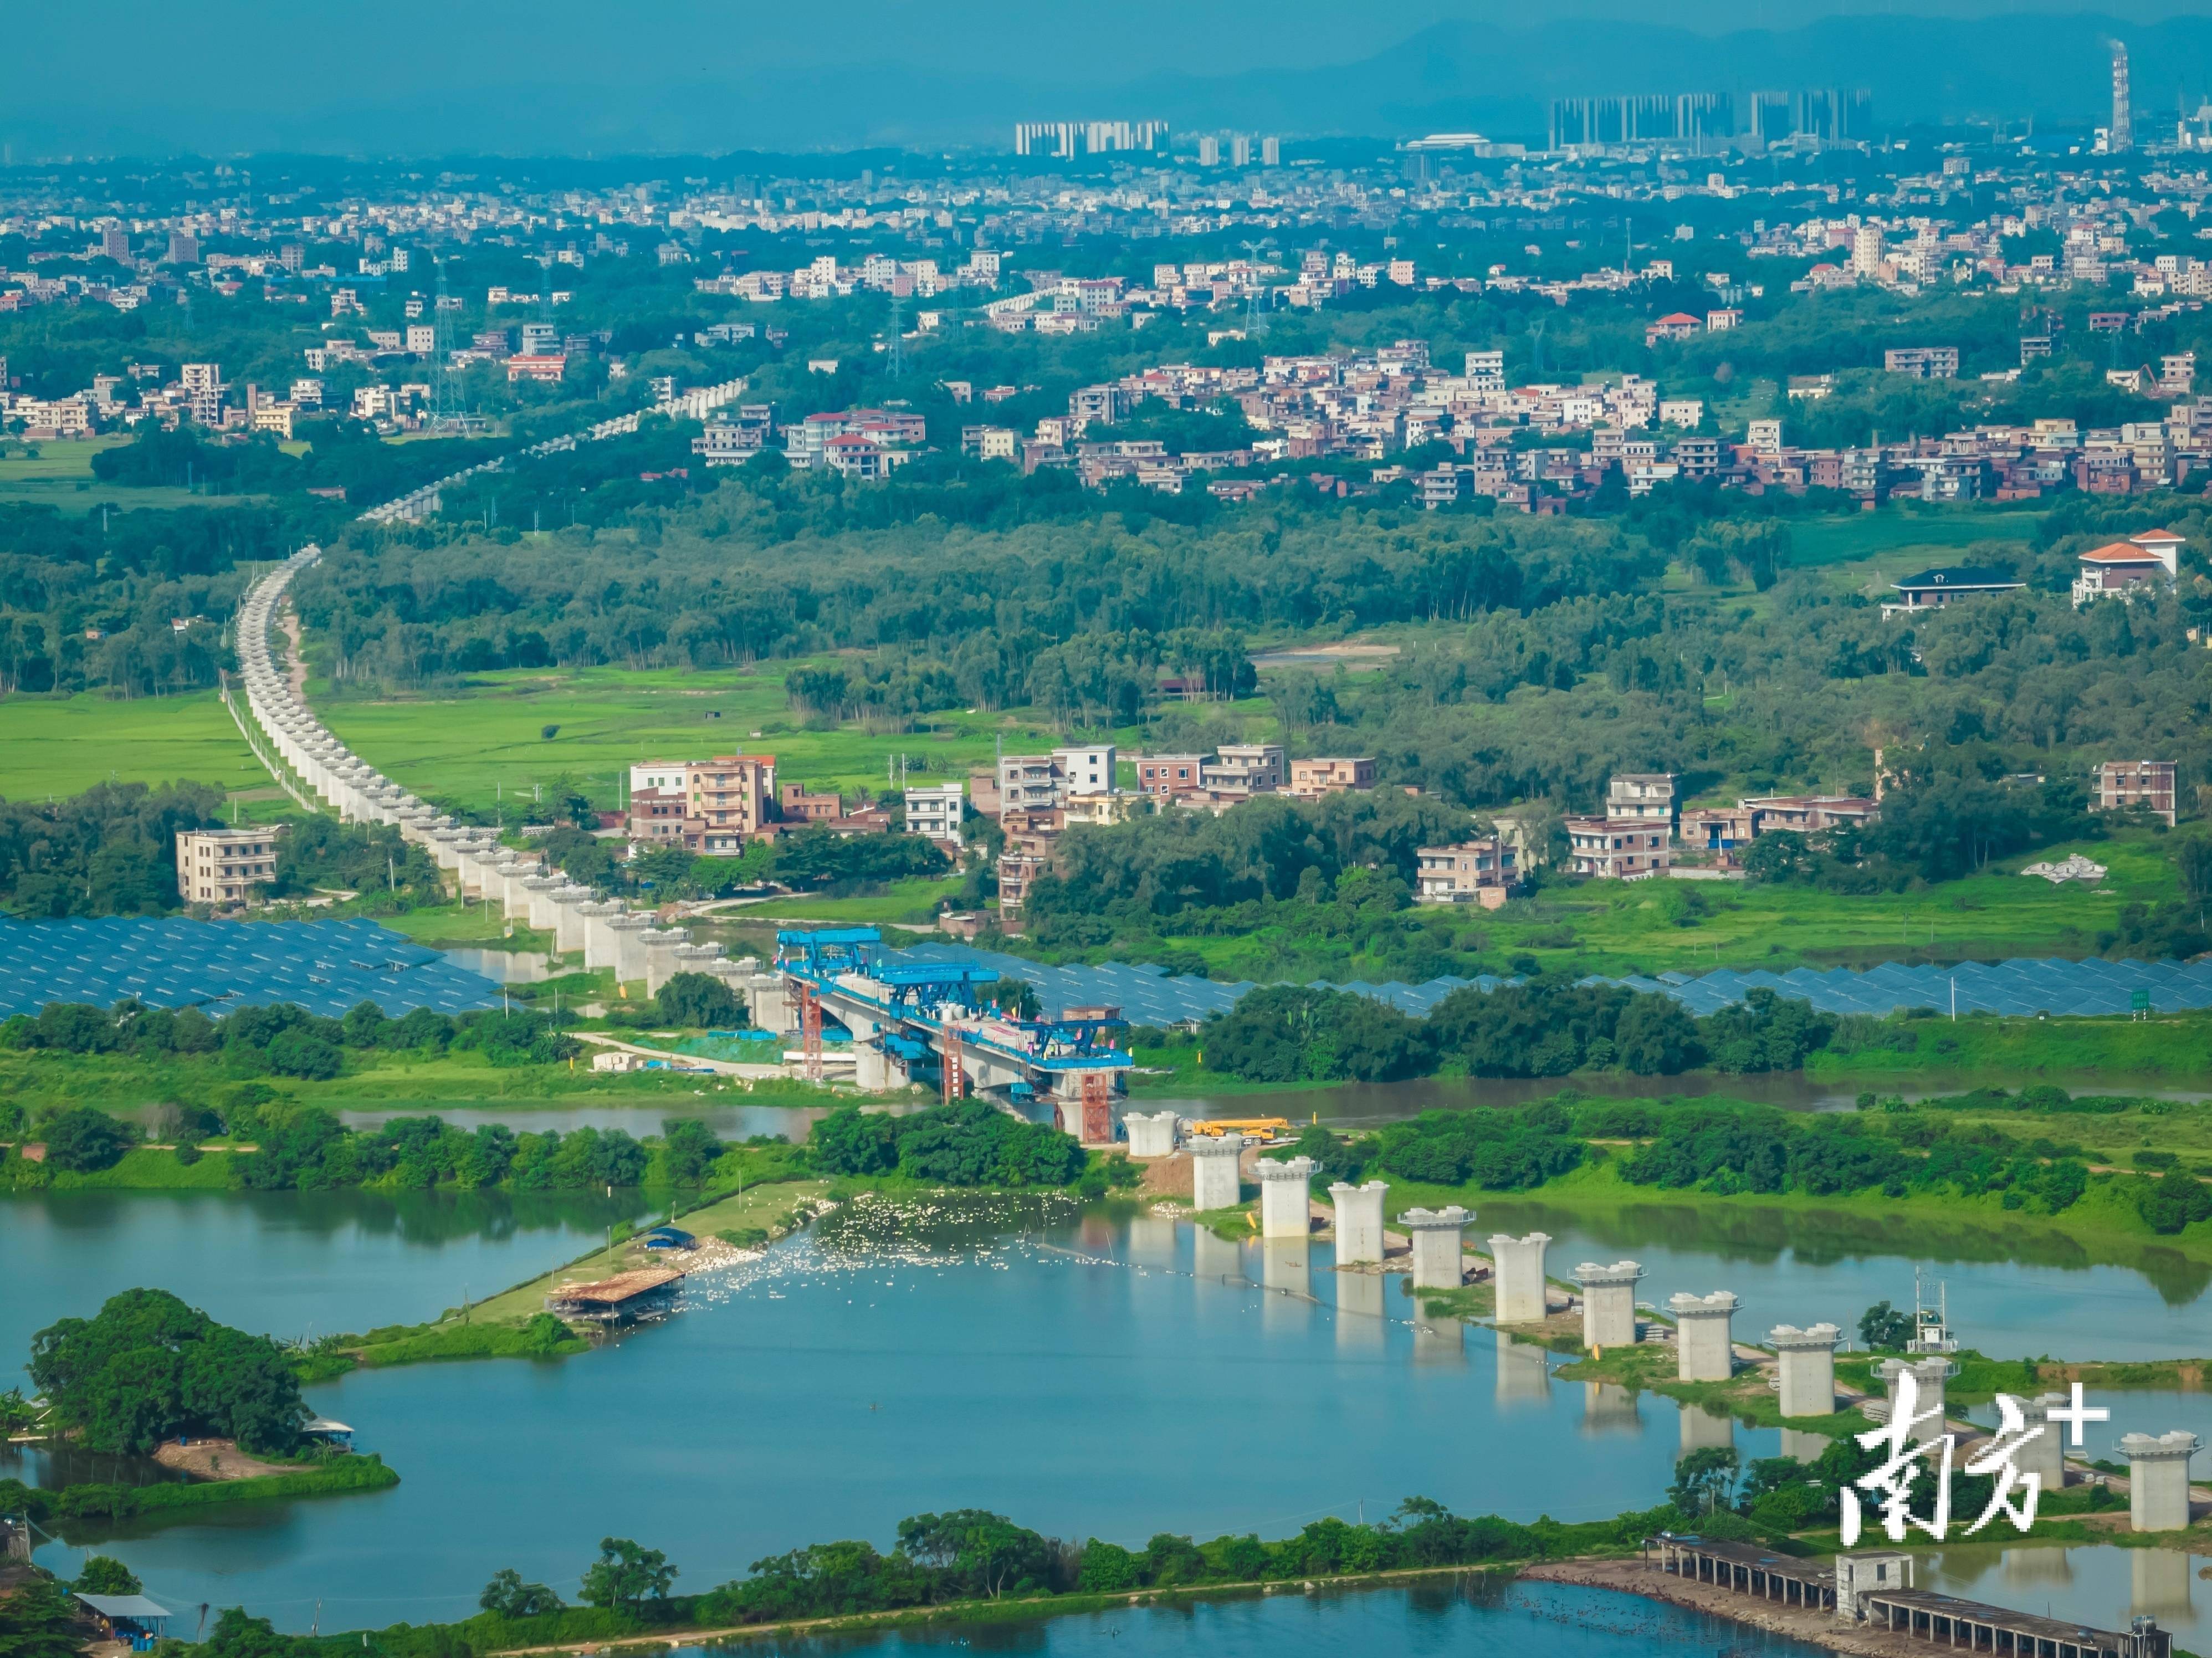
1097,1109
810,1028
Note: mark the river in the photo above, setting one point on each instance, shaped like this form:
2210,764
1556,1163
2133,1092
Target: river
1469,1618
1087,1373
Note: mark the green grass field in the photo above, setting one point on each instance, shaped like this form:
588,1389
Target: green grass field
60,475
1657,927
1903,535
487,745
61,745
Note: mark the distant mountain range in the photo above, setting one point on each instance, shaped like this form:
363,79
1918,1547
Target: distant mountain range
711,96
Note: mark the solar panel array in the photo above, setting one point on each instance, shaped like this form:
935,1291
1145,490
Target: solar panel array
1147,995
326,966
2022,987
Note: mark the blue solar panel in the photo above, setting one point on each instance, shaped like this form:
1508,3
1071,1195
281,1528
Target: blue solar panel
326,966
2024,987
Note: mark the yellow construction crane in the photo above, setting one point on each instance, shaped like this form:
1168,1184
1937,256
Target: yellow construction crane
1255,1128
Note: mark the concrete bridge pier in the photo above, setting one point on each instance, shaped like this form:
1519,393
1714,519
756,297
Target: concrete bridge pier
1214,1182
1518,1274
544,913
1608,1302
598,937
1929,1374
1808,1367
1439,1246
629,934
660,944
568,918
2158,1478
1705,1349
2045,1454
1358,1222
1150,1135
1286,1200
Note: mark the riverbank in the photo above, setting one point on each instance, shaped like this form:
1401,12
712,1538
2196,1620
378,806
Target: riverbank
130,1085
2102,1227
95,1505
1002,1611
514,1322
1640,1577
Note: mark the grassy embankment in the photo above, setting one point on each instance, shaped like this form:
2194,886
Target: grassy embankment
2103,1226
501,1326
410,1080
97,1505
1651,927
2114,1054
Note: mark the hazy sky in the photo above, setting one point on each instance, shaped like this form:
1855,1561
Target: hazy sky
420,76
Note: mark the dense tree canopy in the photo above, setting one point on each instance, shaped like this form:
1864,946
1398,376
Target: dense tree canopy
147,1367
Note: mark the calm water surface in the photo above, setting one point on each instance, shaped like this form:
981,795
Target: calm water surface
2101,1586
1085,1378
1475,1619
288,1263
1087,1375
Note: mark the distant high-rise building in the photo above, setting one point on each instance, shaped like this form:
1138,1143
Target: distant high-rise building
1271,152
1065,140
2123,134
1209,151
1240,150
1866,250
184,247
115,243
1829,113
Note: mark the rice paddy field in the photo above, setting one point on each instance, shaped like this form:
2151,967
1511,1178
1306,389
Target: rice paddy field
63,746
59,476
488,744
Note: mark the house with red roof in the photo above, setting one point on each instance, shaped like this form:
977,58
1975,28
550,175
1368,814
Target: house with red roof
2143,561
1676,325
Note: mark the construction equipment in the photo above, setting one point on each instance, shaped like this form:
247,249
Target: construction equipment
1252,1128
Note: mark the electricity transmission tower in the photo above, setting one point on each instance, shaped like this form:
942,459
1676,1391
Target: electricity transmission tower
449,411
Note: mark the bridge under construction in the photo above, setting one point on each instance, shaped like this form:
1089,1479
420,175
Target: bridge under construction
929,1023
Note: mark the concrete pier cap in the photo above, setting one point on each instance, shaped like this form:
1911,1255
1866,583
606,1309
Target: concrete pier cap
2044,1454
1286,1200
1705,1346
1608,1302
1214,1183
1808,1367
1358,1222
1519,1277
1439,1243
2158,1478
1930,1375
1151,1136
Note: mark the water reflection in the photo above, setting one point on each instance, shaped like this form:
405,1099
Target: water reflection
1608,1408
505,967
2102,1587
1360,1312
288,1263
1524,1375
729,1122
1475,1617
971,1354
2013,1291
1701,1431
